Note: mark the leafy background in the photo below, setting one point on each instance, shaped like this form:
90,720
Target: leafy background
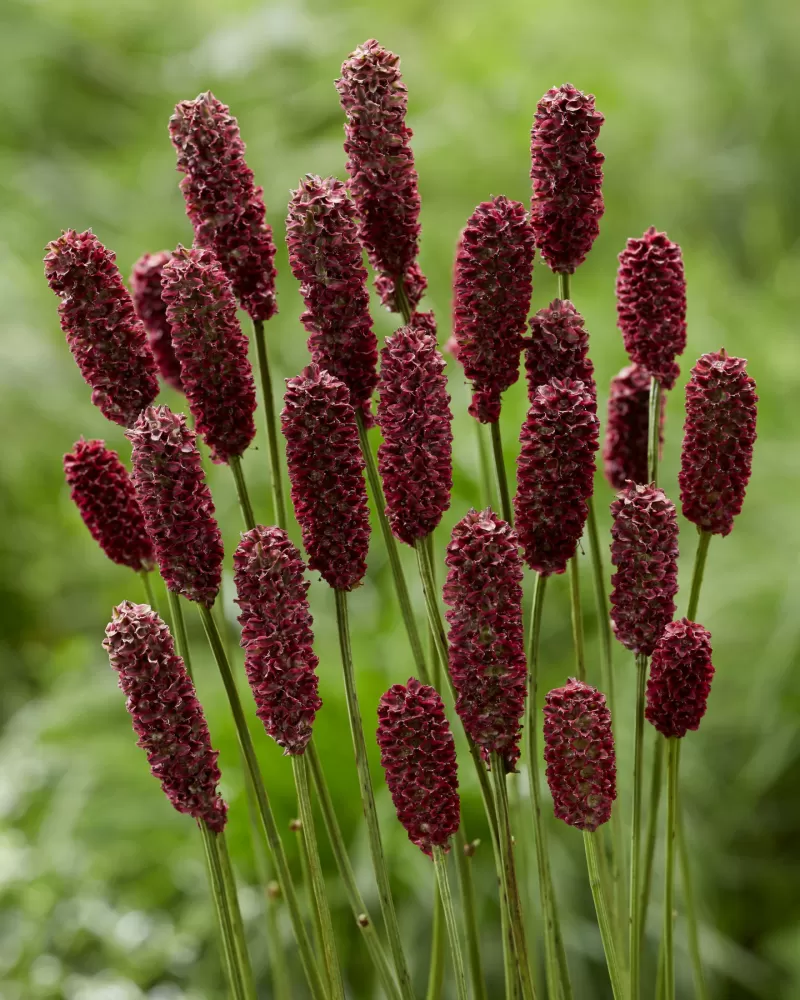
102,892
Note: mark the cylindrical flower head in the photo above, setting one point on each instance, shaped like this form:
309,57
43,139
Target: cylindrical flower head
380,164
644,550
103,332
651,304
152,311
281,666
718,439
223,203
493,284
415,459
487,659
567,175
326,471
176,503
680,678
212,350
555,473
559,347
625,449
579,751
326,257
418,755
167,717
103,493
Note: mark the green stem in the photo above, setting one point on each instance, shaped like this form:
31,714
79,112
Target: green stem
590,841
500,471
487,479
246,507
312,914
446,897
654,420
179,629
402,300
697,574
656,782
634,921
436,967
464,854
563,286
272,432
699,978
148,589
239,939
577,616
673,765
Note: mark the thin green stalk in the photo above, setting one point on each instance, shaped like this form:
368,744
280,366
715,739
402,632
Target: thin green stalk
701,992
440,864
148,588
312,913
487,479
577,616
656,782
673,765
246,507
239,939
590,842
634,920
563,286
500,472
222,908
402,300
436,966
697,574
272,431
654,421
179,629
464,853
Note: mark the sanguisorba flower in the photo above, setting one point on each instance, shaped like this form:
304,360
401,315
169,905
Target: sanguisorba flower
627,427
567,176
718,439
651,304
555,473
418,755
493,283
558,348
152,311
103,332
281,665
415,459
487,661
104,494
176,503
212,351
223,203
380,164
326,471
326,258
644,550
167,717
579,751
680,678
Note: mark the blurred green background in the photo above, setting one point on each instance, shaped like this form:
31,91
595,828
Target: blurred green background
102,893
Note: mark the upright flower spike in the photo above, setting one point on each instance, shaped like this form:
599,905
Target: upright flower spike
415,459
487,659
380,164
103,332
167,717
651,304
326,471
326,258
493,284
152,311
555,473
579,751
625,449
680,678
559,347
567,176
276,635
418,755
212,350
176,503
644,550
718,439
103,493
223,203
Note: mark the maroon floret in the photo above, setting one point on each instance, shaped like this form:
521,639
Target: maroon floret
625,449
559,347
152,311
680,678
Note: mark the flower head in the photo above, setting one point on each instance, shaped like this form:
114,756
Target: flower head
559,347
680,678
103,332
167,717
152,311
625,449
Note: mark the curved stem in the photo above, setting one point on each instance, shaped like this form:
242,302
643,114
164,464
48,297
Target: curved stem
446,897
634,922
500,470
590,842
245,506
654,426
237,924
673,764
148,588
577,616
272,432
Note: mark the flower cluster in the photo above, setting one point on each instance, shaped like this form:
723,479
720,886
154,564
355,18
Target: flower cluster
680,678
559,347
627,428
152,311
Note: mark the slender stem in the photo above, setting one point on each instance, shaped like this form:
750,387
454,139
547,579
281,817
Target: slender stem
700,989
590,842
148,588
272,432
697,574
487,479
500,471
440,864
653,432
673,765
464,854
179,629
577,616
296,826
246,507
237,924
563,286
634,922
402,300
222,907
437,666
656,782
436,966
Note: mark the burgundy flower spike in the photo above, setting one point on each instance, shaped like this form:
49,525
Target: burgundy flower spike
103,331
167,717
680,678
493,285
418,755
152,311
559,347
718,440
625,449
579,750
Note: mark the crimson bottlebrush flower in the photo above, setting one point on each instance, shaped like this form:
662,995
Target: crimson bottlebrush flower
380,164
644,550
651,304
152,311
212,350
176,503
167,717
493,283
103,493
103,332
625,449
326,471
418,755
559,347
680,678
555,473
580,756
281,666
326,257
567,175
415,459
718,439
487,659
223,203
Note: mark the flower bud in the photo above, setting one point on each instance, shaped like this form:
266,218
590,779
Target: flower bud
152,311
680,678
628,426
559,347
